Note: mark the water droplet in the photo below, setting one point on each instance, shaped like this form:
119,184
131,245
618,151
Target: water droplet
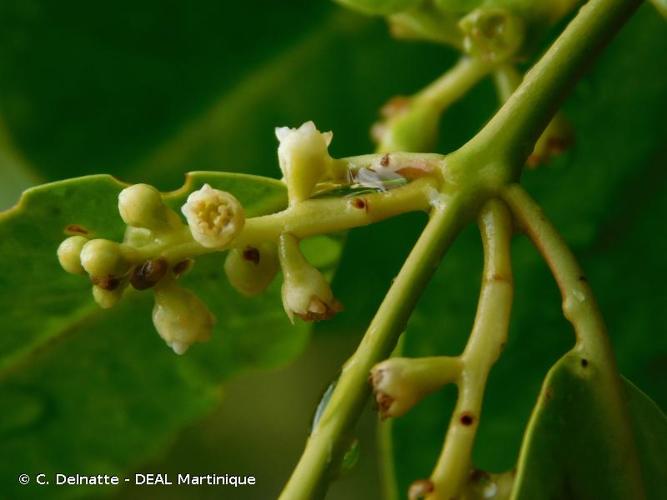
322,405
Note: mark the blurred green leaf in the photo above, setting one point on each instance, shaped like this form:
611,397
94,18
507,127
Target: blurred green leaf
570,452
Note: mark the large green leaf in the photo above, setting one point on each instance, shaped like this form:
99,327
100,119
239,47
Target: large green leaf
75,378
569,451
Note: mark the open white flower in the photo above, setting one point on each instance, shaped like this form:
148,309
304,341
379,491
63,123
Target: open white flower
304,158
215,217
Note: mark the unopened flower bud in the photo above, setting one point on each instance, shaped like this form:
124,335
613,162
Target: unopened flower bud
493,34
555,139
180,317
251,269
305,291
106,298
69,254
304,158
102,258
141,205
215,217
400,383
413,128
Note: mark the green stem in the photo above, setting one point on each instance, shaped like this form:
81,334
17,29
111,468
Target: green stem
486,342
511,134
323,448
581,310
415,128
453,84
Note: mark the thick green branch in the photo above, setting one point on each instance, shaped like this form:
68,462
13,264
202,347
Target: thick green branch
511,134
323,448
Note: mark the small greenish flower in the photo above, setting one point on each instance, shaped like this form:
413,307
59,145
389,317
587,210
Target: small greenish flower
493,34
103,258
305,291
251,269
106,298
400,383
180,317
304,159
215,217
142,206
69,254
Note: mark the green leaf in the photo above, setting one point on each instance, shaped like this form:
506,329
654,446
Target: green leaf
570,452
63,361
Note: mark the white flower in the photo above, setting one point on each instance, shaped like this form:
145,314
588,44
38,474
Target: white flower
215,217
180,317
304,158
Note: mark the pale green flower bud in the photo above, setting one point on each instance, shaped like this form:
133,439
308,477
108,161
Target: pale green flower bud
180,317
493,34
69,254
215,217
107,298
141,205
400,383
251,269
304,159
305,291
103,258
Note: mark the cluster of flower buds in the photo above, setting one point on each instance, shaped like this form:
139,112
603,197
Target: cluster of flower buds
142,261
158,246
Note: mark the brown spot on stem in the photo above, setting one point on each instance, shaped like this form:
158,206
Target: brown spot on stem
583,279
182,266
359,203
106,282
415,172
478,475
148,274
251,254
384,161
420,488
76,229
467,419
584,363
